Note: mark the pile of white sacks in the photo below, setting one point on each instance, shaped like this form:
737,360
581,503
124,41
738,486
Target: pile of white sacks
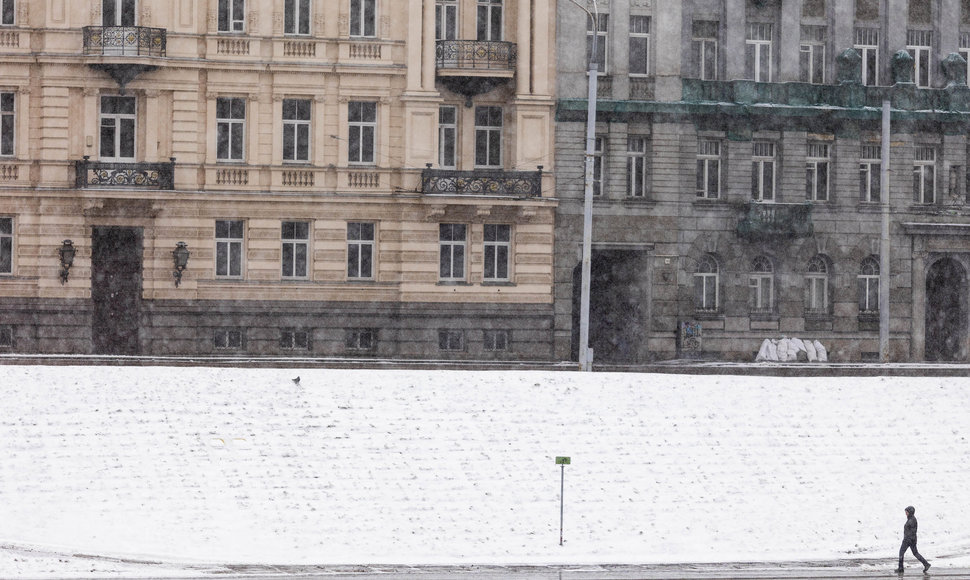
788,350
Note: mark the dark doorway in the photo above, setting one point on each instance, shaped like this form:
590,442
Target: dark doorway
617,306
946,311
116,283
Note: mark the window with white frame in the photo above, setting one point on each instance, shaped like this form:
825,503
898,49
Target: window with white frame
498,242
639,45
6,245
447,136
812,55
704,48
113,12
708,168
446,19
919,44
362,131
488,136
7,12
489,19
117,128
598,39
7,124
451,340
706,285
869,286
496,340
599,149
361,339
232,15
924,175
230,128
763,171
296,249
229,338
360,250
757,61
294,339
229,248
296,17
636,167
363,18
451,252
867,45
761,285
296,130
817,172
870,176
965,45
817,286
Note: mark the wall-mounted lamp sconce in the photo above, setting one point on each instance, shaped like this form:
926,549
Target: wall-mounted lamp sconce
180,255
66,252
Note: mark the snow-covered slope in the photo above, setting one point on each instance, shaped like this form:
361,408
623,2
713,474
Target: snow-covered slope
243,465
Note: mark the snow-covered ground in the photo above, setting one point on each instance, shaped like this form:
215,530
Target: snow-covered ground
214,465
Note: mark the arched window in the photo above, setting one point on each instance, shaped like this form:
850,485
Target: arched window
761,285
706,285
869,286
817,282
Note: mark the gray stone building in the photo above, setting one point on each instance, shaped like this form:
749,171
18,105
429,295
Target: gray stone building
737,177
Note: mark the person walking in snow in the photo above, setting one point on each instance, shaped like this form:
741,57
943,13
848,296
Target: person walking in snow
909,541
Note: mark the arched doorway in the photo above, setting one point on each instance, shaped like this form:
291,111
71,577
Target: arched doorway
946,311
617,308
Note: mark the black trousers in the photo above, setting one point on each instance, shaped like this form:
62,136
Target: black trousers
910,544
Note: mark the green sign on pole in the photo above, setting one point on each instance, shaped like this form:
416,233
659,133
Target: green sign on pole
562,461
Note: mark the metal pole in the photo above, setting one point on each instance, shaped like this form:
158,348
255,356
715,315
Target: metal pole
562,490
884,239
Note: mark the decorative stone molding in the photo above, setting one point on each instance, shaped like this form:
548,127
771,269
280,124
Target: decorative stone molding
91,91
435,212
146,14
277,22
253,23
483,211
343,25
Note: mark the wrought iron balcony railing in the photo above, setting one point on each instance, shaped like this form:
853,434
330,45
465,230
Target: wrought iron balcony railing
124,40
775,220
476,55
482,182
125,175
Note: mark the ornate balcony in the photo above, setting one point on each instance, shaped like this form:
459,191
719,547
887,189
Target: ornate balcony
763,221
492,182
473,67
105,174
124,40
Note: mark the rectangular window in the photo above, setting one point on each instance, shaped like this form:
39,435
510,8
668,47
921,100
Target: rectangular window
488,136
232,15
360,250
867,44
812,55
296,130
639,45
965,44
294,339
596,39
362,130
229,248
869,291
599,143
920,12
228,338
363,18
361,339
866,9
817,172
761,294
498,242
114,12
7,17
451,340
758,52
924,175
296,248
6,336
451,243
230,128
813,8
489,22
636,167
446,20
496,340
708,169
918,44
118,128
7,101
870,175
763,171
6,245
704,48
296,17
447,136
818,300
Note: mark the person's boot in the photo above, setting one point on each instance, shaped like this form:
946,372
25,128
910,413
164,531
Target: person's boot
926,568
899,570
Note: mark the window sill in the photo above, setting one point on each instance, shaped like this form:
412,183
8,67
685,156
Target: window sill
708,315
765,316
711,203
500,283
639,201
453,283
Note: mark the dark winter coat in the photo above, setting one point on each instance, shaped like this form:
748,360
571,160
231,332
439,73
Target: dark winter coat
909,530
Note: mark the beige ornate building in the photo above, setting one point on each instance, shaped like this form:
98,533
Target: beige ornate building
349,177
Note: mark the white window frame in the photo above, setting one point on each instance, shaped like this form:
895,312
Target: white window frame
817,172
965,49
706,285
123,128
487,13
636,166
8,124
363,18
867,44
447,136
758,51
228,247
297,19
924,175
817,286
230,126
295,250
361,132
8,12
232,16
446,19
498,251
361,246
488,134
6,245
870,176
702,47
297,127
708,163
452,252
869,286
762,286
812,55
919,44
640,34
601,37
763,156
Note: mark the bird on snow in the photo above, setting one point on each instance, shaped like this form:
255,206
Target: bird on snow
296,381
